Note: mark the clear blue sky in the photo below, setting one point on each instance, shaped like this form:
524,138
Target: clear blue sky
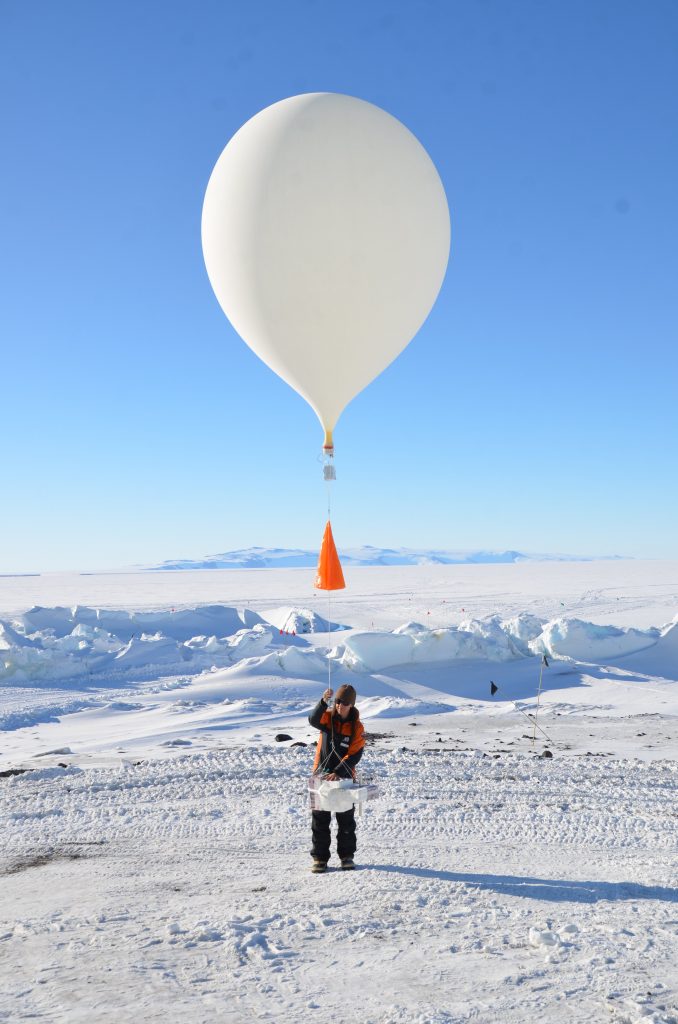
536,409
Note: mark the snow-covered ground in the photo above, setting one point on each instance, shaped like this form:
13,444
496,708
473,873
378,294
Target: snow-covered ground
155,854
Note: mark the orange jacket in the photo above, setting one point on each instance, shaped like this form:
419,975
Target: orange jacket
340,744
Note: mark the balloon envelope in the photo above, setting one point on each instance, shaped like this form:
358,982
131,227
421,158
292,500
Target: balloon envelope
326,235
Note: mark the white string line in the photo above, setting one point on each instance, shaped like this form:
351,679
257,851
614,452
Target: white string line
329,596
536,710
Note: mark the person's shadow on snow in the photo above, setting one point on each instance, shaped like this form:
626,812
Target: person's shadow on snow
554,889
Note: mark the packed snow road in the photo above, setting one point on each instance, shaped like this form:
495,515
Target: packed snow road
505,889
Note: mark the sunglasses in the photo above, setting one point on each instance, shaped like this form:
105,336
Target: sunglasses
344,703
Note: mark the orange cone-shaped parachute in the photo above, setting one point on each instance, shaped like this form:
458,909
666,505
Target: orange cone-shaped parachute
329,575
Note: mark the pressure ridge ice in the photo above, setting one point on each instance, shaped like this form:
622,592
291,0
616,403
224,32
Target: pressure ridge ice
60,643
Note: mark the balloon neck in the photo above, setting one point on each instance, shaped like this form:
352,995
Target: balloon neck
329,472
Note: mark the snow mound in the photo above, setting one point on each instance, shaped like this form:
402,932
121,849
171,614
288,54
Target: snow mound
399,707
301,663
585,641
668,639
291,661
661,659
301,621
411,629
248,643
522,629
221,620
474,639
50,644
377,651
495,640
145,651
542,937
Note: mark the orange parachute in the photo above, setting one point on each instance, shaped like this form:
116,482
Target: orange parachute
329,575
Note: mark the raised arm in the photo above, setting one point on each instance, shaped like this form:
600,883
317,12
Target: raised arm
319,710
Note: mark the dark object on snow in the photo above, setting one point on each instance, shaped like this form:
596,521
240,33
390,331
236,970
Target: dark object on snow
545,660
299,743
372,737
281,737
493,688
546,753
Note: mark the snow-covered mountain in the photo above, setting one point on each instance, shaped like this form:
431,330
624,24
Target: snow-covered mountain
281,558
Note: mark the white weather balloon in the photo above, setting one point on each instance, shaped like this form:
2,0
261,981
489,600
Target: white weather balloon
326,234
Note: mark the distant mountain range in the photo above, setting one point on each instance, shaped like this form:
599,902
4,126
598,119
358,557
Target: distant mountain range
296,558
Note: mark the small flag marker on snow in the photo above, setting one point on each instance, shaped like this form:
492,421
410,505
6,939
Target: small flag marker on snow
532,719
544,664
493,688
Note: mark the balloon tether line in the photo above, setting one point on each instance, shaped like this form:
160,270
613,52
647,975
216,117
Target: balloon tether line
329,477
329,474
544,662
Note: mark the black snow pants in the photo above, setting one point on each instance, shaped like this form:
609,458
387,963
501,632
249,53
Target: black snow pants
346,840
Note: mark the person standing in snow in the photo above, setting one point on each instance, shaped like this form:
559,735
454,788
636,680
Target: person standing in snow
340,747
